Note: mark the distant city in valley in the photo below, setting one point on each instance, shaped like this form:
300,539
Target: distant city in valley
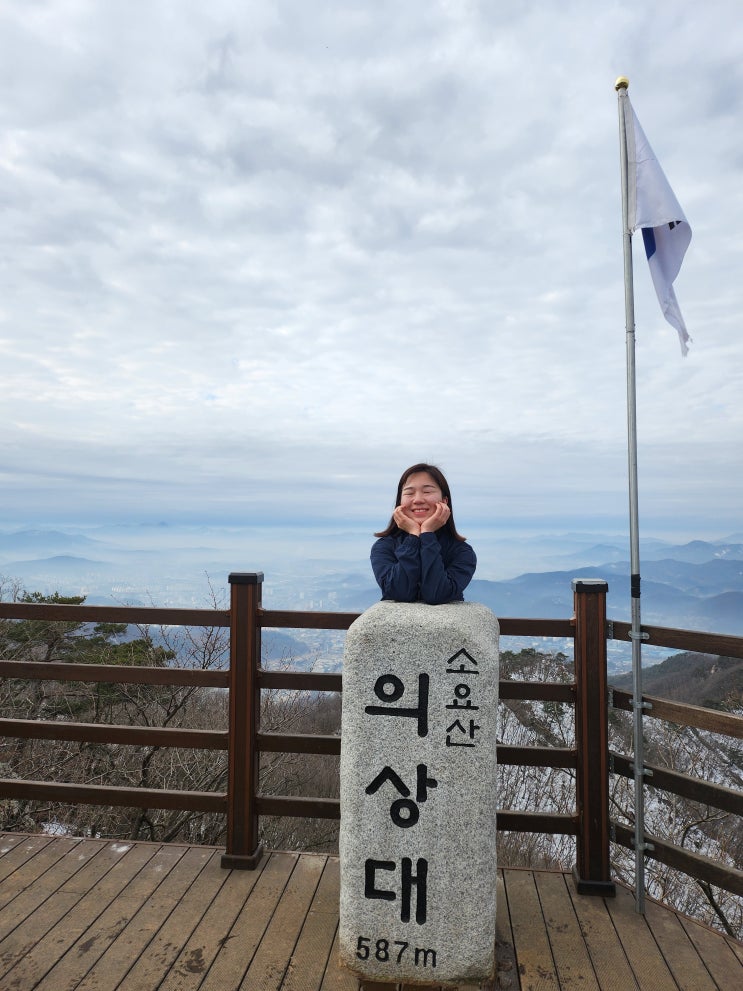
696,584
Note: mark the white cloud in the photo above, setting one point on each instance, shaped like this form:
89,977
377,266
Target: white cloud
249,242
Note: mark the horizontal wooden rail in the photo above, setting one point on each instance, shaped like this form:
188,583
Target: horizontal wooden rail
113,674
310,620
296,619
684,714
695,789
301,743
311,681
269,618
563,757
537,691
144,736
298,808
131,615
693,864
329,808
298,743
322,681
135,798
536,822
195,739
665,636
519,627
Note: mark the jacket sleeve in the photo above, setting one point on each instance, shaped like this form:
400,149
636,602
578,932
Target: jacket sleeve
444,582
397,567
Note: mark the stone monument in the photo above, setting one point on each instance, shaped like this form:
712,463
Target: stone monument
418,794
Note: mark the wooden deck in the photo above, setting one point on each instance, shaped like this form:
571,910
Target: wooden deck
100,915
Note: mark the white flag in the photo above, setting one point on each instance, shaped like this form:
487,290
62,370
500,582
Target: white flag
654,209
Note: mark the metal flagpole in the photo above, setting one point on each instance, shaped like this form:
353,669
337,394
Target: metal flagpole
635,631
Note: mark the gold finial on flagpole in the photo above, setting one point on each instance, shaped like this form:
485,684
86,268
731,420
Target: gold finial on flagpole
621,83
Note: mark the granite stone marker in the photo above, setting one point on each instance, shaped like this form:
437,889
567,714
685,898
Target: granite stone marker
418,793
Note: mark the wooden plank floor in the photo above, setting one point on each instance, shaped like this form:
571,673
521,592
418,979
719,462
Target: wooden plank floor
95,915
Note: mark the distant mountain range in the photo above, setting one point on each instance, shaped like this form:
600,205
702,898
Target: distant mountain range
700,597
696,585
699,679
695,552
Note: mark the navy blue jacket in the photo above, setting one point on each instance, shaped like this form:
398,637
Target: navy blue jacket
433,568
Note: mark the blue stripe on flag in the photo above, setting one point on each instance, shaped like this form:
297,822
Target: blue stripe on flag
648,237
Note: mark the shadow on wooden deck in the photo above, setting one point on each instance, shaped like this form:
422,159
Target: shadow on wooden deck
95,915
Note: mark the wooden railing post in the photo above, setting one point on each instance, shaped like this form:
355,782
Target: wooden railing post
592,869
244,849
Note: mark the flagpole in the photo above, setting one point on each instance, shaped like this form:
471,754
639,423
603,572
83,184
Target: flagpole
636,635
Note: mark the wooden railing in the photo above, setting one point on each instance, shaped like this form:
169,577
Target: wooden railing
590,821
81,794
695,789
243,803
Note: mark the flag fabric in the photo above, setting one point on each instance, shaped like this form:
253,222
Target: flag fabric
654,209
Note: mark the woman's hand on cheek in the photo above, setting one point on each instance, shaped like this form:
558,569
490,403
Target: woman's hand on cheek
437,520
405,523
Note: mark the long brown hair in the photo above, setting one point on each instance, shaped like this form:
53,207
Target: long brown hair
392,529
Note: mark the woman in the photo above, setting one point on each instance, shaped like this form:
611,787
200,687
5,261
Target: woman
420,557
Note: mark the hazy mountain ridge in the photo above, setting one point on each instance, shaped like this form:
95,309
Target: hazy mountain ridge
697,585
694,585
672,599
693,552
699,679
46,542
706,596
63,563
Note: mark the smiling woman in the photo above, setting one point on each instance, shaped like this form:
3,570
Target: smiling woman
420,557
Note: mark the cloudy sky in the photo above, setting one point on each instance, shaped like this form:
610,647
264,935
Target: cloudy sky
259,256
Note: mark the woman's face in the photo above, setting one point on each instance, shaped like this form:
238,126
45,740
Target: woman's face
420,493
